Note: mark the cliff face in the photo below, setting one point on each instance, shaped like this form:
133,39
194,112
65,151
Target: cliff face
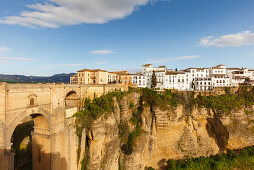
172,133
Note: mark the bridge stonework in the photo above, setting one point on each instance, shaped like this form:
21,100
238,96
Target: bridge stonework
47,104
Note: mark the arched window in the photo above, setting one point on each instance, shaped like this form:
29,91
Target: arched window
32,102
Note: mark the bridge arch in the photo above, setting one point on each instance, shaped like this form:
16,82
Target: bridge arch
23,115
39,138
71,99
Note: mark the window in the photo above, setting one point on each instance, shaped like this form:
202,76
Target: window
32,102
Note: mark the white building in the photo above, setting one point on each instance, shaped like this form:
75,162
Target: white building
203,84
147,70
139,79
194,78
176,80
112,77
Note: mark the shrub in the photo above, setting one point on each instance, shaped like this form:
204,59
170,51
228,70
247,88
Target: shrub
238,159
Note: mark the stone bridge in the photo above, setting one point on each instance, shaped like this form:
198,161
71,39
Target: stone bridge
49,105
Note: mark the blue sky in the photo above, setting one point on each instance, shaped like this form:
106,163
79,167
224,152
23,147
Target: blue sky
61,36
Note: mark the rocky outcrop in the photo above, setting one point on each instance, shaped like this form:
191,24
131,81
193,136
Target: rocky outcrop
172,133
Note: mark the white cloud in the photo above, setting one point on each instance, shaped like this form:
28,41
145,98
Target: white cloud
102,52
4,49
15,59
56,13
165,60
230,40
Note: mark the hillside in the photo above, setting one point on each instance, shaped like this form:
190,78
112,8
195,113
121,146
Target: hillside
65,78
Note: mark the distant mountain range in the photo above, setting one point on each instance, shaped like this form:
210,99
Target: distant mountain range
57,78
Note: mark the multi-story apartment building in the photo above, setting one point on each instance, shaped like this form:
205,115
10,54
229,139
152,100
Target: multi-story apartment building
87,76
98,76
175,80
123,77
139,79
160,71
188,79
74,79
112,77
198,78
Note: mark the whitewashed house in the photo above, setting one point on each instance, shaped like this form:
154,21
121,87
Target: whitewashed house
201,79
139,79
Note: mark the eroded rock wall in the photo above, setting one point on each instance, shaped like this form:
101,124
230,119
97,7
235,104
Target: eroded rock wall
174,133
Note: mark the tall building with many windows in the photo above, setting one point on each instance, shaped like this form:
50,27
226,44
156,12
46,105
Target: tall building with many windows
87,76
190,79
197,78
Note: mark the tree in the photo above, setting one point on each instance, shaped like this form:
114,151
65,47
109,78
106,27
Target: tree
176,69
154,82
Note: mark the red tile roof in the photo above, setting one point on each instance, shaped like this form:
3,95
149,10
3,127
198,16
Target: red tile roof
95,70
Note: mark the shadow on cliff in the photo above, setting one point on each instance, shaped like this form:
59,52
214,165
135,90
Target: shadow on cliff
218,131
26,154
43,161
162,164
22,145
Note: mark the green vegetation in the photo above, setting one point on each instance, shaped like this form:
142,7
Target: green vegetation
154,81
104,105
92,110
239,159
167,98
84,163
148,98
244,98
131,105
22,145
127,148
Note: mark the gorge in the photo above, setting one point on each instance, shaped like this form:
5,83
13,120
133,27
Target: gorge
144,129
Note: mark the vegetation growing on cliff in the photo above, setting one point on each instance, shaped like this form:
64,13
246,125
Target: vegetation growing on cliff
153,98
148,98
239,159
227,102
104,105
127,148
91,111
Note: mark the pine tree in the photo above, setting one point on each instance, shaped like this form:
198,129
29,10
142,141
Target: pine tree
154,82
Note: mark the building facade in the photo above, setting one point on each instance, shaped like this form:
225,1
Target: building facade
87,76
201,79
190,79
